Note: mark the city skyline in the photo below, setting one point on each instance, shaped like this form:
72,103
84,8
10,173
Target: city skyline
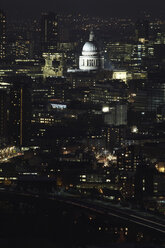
100,8
82,124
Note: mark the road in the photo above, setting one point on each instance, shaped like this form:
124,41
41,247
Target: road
127,215
142,219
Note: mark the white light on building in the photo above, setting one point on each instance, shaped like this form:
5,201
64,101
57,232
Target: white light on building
105,109
90,58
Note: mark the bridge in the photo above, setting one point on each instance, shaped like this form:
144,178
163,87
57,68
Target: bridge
139,218
129,216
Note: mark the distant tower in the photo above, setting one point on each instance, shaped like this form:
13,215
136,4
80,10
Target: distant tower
49,32
3,115
20,110
142,30
91,58
2,35
49,70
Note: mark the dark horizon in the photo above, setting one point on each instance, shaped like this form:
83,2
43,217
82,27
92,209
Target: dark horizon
107,8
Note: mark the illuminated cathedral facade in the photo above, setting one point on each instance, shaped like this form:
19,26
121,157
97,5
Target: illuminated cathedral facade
91,58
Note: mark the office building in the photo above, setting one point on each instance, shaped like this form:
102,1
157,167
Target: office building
20,110
49,32
2,35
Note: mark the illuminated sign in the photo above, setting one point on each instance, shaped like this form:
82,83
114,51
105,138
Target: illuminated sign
58,106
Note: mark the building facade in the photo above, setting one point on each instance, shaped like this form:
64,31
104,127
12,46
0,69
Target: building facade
2,35
91,58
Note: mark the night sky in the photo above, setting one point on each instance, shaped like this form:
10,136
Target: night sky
96,7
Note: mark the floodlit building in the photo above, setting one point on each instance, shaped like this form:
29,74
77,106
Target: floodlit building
49,69
91,58
121,75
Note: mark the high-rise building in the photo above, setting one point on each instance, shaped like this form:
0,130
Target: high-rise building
20,110
2,35
3,116
142,30
49,32
116,115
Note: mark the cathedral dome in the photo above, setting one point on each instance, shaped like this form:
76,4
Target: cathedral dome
89,49
90,58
